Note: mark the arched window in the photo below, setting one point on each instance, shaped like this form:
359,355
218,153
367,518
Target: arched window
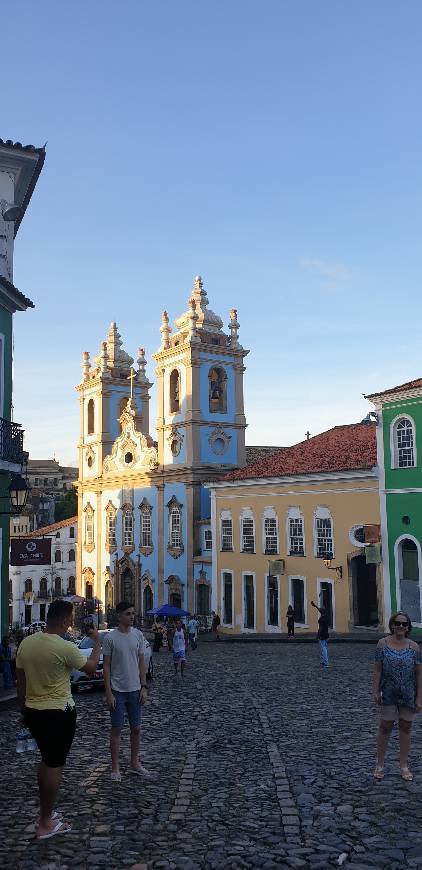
175,532
71,555
403,447
111,513
128,527
217,390
57,587
323,534
148,599
295,532
58,556
43,587
409,577
146,526
91,417
28,585
247,531
270,532
174,392
71,586
89,527
226,531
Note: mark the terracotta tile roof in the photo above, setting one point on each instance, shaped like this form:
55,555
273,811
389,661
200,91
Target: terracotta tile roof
40,152
343,448
402,388
20,298
255,454
49,530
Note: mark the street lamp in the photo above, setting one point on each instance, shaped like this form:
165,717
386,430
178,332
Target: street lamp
338,568
18,491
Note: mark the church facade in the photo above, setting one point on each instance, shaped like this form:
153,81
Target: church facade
143,511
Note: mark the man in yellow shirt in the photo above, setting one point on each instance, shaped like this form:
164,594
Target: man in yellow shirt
43,666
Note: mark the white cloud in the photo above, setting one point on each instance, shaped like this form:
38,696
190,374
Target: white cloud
333,273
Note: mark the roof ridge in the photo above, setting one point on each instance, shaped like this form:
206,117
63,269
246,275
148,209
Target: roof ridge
45,530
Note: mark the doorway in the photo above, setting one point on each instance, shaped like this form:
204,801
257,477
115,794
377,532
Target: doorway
248,602
148,599
365,610
203,599
128,586
408,567
326,600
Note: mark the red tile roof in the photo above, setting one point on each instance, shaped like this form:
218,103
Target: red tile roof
343,448
255,454
49,530
402,388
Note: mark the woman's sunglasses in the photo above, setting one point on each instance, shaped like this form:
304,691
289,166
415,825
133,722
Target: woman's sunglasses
399,624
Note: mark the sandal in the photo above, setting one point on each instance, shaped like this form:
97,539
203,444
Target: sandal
406,774
59,828
379,771
116,776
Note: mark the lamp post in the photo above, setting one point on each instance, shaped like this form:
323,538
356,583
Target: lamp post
17,493
337,568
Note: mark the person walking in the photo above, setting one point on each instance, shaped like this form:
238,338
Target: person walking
323,634
170,634
126,686
193,626
43,666
397,689
215,624
6,663
290,621
158,636
179,648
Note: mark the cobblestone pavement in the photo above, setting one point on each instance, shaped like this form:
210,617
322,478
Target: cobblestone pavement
260,759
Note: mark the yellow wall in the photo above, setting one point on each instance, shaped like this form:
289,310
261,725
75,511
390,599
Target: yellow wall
351,501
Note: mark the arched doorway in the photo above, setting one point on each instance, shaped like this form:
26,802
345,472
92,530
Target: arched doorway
148,599
365,593
109,594
409,579
175,591
127,586
203,599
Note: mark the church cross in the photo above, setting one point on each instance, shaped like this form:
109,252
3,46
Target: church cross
131,378
308,435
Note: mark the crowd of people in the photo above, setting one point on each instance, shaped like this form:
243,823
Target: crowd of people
45,660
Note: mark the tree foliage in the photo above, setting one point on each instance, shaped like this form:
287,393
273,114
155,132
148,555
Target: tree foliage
67,506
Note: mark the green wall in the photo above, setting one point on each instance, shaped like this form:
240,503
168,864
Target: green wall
402,504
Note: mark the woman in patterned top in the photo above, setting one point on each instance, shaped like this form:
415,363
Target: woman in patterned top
397,689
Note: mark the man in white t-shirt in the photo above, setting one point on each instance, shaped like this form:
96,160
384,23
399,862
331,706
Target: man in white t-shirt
125,685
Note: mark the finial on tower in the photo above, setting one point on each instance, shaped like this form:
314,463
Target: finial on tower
199,295
165,330
86,365
234,326
141,365
104,370
193,336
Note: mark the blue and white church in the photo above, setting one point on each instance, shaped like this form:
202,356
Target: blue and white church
143,510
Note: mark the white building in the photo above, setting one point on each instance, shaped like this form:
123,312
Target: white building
33,587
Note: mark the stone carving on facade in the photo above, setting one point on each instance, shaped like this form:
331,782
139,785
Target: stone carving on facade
132,450
175,439
89,457
219,441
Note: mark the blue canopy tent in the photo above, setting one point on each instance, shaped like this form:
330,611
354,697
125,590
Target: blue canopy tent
167,610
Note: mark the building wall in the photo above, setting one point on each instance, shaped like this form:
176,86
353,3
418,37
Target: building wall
351,502
6,338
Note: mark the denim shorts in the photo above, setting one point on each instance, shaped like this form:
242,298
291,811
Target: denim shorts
130,702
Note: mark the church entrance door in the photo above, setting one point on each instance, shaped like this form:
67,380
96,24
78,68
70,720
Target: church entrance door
128,586
365,587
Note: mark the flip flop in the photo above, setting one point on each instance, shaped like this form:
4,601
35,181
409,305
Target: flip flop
141,771
116,776
379,772
406,774
59,828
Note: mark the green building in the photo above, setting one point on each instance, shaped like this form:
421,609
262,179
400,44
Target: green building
20,167
399,449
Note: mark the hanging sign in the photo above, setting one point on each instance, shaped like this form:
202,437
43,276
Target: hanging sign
35,551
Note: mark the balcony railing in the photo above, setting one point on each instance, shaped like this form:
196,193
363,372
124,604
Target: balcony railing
11,442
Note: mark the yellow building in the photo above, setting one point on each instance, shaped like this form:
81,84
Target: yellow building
311,510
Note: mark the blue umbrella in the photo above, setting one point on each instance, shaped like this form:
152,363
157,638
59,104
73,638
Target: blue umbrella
167,610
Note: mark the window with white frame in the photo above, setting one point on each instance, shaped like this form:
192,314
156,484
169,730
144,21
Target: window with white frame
175,527
295,532
146,525
207,539
270,542
226,531
128,528
404,443
324,544
89,526
247,531
111,513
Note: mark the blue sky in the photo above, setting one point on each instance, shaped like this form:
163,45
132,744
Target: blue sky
273,147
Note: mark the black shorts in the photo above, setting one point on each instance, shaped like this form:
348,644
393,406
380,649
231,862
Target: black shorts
53,732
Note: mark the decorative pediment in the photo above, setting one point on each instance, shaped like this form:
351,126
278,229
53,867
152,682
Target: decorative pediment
219,441
175,439
132,450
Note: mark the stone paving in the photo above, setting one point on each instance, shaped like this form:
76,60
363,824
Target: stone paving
259,759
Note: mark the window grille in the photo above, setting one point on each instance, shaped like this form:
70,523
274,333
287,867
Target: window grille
146,537
175,528
226,534
89,528
296,543
128,529
111,530
248,536
271,537
404,438
208,539
324,535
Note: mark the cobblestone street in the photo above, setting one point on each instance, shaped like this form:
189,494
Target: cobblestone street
260,759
